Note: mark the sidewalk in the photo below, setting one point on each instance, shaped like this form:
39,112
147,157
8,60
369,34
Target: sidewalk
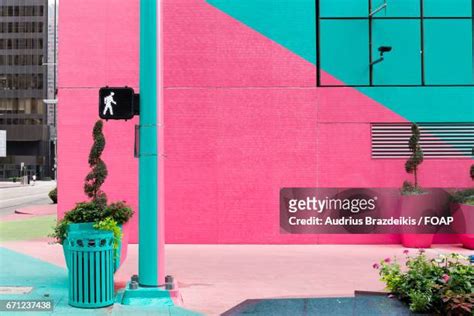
9,184
213,278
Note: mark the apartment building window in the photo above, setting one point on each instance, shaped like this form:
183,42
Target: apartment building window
22,106
21,27
32,10
22,81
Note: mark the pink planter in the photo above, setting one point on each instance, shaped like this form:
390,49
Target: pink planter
416,206
417,240
464,217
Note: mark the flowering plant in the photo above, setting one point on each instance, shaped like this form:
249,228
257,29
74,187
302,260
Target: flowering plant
444,284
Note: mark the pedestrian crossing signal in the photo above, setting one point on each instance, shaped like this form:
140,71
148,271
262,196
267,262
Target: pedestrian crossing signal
117,103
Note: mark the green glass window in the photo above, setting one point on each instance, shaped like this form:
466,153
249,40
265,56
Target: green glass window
345,53
448,52
401,66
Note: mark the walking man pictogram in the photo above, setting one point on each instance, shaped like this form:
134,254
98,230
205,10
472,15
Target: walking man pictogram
108,103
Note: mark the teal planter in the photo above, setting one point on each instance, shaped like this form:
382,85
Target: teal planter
89,228
91,268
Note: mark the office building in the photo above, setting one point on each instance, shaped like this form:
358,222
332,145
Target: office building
24,89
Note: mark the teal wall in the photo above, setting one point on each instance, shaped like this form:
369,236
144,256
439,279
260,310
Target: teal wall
344,48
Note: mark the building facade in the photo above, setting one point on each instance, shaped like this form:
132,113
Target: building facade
23,89
260,95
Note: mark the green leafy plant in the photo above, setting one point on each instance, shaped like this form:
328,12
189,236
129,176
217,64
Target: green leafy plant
96,177
110,224
465,196
87,212
53,195
60,231
419,301
119,211
413,162
442,285
409,189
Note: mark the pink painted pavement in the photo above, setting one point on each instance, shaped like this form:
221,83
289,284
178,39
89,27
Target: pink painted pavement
234,273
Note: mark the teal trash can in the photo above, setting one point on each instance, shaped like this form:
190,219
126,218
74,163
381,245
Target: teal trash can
91,268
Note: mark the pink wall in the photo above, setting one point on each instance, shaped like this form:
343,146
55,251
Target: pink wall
242,118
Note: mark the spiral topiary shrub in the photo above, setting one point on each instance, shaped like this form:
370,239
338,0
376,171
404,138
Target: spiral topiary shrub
413,163
96,177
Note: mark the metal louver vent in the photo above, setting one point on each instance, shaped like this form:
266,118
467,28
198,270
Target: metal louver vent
438,140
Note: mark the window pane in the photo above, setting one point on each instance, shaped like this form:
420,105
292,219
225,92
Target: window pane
397,8
448,52
402,65
344,51
344,8
447,8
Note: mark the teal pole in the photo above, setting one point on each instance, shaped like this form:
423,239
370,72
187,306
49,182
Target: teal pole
148,157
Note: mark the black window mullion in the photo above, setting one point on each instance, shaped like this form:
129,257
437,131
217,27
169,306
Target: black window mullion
318,46
422,42
371,67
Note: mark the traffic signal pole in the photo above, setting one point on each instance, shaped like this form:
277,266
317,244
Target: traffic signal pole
150,239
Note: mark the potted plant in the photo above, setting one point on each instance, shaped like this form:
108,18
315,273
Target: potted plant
414,200
440,286
463,211
97,213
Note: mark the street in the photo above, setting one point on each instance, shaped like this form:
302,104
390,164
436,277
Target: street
14,196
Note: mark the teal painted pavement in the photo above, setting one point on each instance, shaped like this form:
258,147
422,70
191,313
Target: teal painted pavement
291,23
50,282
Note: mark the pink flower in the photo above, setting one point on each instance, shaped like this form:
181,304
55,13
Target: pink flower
375,266
445,278
387,260
406,251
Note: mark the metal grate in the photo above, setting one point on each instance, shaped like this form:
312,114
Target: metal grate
438,140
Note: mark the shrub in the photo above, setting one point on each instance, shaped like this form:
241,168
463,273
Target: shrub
87,212
53,195
415,160
465,196
419,301
105,217
60,231
119,212
409,189
98,173
442,285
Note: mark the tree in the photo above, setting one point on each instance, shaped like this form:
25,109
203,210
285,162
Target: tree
416,158
472,172
96,177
